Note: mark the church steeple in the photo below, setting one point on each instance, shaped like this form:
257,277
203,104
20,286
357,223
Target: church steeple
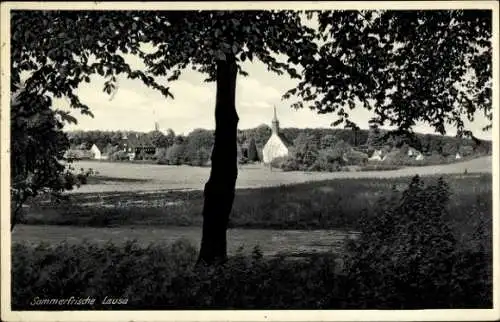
275,123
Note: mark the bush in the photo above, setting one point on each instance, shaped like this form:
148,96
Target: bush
466,150
82,176
160,277
356,157
328,160
396,157
252,151
287,164
199,157
242,160
279,162
62,271
434,158
175,154
407,256
331,159
160,155
119,156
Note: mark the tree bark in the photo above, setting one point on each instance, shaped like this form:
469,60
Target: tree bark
220,188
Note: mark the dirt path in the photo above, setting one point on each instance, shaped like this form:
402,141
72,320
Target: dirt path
269,241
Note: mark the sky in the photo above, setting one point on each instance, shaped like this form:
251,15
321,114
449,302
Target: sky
136,107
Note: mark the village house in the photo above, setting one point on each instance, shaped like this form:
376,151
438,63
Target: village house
414,153
77,154
277,145
378,155
96,152
128,144
135,149
80,152
85,151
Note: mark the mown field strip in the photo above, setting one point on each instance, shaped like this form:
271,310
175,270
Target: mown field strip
161,177
270,241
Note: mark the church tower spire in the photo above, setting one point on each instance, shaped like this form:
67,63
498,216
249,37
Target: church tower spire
275,123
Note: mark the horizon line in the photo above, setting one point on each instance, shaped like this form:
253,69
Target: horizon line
252,128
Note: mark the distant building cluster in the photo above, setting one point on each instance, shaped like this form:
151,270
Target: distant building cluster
311,149
129,145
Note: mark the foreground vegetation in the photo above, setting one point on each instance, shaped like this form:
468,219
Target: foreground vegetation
407,257
164,278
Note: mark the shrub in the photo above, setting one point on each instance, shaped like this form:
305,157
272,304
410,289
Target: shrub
175,154
242,160
164,277
119,156
356,157
279,162
252,151
83,175
305,149
306,156
159,276
466,150
199,157
396,157
160,155
434,158
328,160
407,256
64,270
287,164
327,141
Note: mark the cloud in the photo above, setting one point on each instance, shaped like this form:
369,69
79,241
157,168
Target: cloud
256,104
249,89
136,107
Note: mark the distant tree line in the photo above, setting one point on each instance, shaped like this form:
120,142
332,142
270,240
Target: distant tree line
105,138
320,149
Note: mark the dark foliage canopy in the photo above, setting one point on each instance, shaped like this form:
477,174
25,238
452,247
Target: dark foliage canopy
67,47
432,66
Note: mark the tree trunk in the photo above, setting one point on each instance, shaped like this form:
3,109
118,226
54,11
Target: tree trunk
220,187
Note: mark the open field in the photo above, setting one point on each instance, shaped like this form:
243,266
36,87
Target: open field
153,177
332,205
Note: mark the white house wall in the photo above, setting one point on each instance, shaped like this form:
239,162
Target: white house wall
377,156
95,150
274,148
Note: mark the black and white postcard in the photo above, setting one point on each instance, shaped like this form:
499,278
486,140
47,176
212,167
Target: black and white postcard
249,161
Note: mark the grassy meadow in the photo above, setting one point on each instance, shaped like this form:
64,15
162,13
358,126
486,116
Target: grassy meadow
331,204
125,176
